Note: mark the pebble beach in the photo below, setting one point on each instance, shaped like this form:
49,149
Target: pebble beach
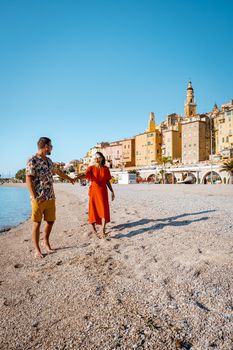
161,280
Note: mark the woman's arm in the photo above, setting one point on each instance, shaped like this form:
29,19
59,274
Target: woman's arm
110,188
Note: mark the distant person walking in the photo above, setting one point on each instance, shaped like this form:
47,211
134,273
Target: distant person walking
39,179
99,175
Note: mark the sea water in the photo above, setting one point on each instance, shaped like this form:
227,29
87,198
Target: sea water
14,206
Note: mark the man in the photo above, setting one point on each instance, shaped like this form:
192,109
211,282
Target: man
39,179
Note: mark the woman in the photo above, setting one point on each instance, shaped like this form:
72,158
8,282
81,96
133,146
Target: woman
99,175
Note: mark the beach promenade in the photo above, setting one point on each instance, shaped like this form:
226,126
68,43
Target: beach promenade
162,280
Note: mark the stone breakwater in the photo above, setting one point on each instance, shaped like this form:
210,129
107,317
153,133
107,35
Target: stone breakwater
162,280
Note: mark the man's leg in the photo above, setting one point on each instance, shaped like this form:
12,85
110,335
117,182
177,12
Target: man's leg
49,216
36,238
47,230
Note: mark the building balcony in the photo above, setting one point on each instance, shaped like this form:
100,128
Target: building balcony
227,153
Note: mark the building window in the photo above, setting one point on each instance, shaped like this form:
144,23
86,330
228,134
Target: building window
230,133
227,139
223,139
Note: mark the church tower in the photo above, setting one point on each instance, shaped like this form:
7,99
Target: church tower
151,125
190,105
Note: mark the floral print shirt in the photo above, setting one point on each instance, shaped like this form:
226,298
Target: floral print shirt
42,172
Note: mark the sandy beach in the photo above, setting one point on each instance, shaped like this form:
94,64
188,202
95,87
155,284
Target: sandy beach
162,280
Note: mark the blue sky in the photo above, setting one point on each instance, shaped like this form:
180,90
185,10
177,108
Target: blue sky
86,71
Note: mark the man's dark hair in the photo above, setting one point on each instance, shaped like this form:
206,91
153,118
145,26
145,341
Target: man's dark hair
43,141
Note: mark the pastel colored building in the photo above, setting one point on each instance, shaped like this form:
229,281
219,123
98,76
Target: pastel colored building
128,152
113,154
195,132
171,137
148,145
223,129
195,139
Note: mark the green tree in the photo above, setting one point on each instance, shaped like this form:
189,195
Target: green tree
21,175
228,167
164,161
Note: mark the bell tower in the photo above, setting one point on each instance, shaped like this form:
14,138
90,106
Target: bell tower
190,105
151,125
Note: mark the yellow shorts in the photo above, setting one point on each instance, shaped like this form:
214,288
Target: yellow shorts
44,209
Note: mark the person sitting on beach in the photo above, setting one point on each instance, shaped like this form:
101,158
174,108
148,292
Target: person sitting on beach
100,177
39,179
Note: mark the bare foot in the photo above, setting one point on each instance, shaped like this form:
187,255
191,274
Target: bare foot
48,247
38,254
103,234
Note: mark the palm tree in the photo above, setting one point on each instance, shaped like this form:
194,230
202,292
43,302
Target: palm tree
163,161
228,167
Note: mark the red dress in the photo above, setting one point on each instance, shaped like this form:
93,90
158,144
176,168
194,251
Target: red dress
98,194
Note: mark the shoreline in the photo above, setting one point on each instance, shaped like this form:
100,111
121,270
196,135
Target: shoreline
5,229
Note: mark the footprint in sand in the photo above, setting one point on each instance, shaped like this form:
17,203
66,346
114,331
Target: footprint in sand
88,234
109,258
99,290
89,253
35,324
197,273
18,266
84,245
